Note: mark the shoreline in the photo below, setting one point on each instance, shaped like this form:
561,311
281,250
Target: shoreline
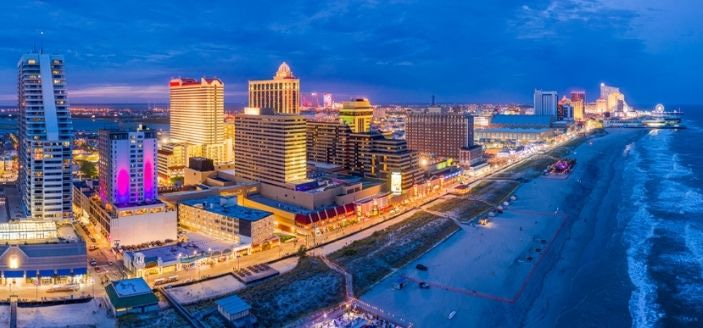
492,260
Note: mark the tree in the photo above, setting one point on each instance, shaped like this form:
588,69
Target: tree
88,169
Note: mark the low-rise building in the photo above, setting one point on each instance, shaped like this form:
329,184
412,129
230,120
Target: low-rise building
41,253
221,217
131,296
236,311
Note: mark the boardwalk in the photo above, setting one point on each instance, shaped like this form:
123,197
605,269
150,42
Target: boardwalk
183,311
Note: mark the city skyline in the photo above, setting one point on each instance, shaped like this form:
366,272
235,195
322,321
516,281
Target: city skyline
386,52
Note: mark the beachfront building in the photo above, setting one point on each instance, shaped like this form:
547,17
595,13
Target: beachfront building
439,134
131,296
222,218
270,147
236,311
45,135
545,103
41,253
281,94
515,130
369,154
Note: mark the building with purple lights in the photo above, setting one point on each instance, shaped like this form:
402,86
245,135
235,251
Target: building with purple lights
124,206
128,168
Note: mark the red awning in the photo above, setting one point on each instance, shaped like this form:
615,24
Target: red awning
331,212
302,219
349,208
340,210
314,217
322,214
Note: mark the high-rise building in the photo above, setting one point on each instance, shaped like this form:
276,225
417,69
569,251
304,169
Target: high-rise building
578,101
127,211
545,103
367,153
439,134
614,99
45,135
357,114
282,94
197,110
328,142
375,155
270,147
128,168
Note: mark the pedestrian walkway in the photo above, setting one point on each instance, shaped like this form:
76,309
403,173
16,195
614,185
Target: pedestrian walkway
13,311
183,311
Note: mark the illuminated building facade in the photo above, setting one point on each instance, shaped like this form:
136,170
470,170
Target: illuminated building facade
197,110
328,142
282,94
375,155
45,135
197,117
270,148
357,114
439,134
127,166
223,218
545,103
578,101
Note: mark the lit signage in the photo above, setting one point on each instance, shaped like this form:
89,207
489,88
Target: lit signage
396,183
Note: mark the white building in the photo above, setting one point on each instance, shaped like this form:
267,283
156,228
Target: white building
45,134
545,103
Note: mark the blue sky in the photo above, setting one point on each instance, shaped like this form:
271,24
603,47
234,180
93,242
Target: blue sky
390,51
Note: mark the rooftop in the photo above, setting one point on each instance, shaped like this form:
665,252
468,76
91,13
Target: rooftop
227,206
521,120
131,287
279,205
130,293
515,130
233,304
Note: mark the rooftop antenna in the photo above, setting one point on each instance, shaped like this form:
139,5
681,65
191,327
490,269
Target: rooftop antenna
41,42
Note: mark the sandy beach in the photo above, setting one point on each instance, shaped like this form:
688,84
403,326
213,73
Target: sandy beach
490,274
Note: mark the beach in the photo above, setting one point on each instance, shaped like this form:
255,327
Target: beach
494,275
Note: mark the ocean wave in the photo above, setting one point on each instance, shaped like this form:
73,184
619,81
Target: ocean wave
675,197
644,310
693,238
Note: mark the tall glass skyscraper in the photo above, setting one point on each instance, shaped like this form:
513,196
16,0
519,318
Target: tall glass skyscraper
45,134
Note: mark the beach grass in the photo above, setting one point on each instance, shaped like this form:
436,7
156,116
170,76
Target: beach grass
371,259
309,287
163,318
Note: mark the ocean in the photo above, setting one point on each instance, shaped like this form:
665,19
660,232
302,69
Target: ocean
637,258
664,230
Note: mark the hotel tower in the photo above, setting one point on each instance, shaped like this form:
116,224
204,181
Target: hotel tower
270,148
282,94
197,109
45,134
128,169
